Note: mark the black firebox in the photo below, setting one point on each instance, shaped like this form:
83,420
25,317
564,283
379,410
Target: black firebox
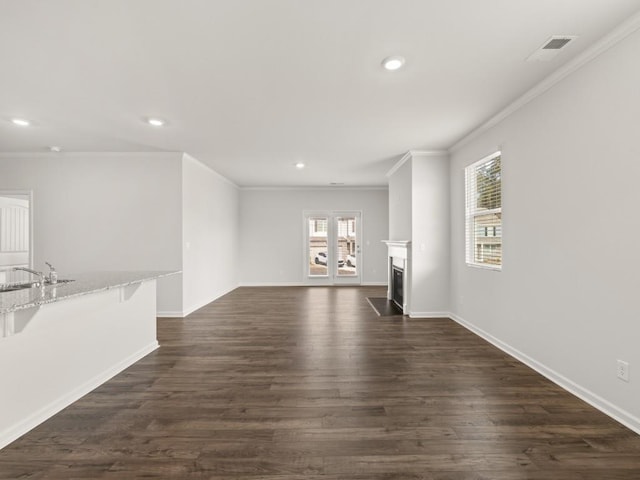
397,288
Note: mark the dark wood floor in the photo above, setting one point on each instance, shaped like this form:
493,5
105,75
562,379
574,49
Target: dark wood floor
309,383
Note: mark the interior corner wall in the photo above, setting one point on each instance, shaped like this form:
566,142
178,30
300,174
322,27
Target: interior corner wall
271,241
95,212
400,203
210,212
565,301
430,240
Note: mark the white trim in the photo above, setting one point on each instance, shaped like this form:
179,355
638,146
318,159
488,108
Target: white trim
197,306
400,250
429,153
606,407
170,314
415,153
301,284
332,277
617,35
169,155
28,193
188,311
17,430
429,315
471,212
487,158
482,266
313,188
185,156
399,164
397,243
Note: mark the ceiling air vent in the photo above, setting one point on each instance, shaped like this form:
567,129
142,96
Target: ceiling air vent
551,48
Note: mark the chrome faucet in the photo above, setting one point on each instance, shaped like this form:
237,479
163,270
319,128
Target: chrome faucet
52,278
33,272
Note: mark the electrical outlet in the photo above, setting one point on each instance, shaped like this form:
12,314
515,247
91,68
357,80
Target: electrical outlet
623,370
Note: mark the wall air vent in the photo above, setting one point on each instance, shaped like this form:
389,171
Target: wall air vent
550,49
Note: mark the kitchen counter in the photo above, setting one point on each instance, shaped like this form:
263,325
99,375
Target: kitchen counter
82,284
60,342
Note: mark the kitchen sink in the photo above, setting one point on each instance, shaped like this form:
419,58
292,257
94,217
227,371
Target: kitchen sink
17,286
12,287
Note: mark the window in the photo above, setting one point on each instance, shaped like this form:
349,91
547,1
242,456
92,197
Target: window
318,227
484,212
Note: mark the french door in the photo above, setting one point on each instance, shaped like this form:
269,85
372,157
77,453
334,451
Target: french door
332,248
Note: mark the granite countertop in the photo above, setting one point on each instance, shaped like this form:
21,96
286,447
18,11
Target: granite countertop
82,284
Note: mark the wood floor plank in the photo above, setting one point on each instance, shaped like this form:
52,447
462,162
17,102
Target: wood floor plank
284,383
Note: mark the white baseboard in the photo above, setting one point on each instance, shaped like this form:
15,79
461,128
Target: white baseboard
170,314
16,431
199,305
627,419
302,284
191,309
429,314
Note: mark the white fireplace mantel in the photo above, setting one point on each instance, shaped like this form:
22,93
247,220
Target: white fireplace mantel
400,255
399,248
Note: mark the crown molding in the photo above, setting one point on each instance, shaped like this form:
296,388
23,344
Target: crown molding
63,154
313,187
618,34
186,156
415,153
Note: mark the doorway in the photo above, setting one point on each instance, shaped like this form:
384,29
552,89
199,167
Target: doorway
332,253
15,230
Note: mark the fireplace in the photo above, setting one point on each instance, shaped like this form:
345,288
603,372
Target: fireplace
399,274
397,290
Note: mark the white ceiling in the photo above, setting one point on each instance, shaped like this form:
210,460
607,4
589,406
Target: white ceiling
252,86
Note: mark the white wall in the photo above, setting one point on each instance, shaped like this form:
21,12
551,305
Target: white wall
104,212
566,299
419,212
400,202
211,235
430,235
272,231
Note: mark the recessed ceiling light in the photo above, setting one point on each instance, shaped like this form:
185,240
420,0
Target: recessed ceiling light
156,122
55,149
393,63
300,165
21,122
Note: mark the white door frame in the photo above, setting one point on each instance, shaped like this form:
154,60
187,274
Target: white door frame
29,195
332,277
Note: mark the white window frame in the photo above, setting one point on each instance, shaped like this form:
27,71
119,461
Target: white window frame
471,212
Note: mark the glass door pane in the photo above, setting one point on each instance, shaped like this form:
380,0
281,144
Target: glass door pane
318,247
347,246
331,247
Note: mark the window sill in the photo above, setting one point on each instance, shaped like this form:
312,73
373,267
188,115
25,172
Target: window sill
485,267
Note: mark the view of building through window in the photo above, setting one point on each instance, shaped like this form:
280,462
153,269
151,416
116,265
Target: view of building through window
345,246
484,212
